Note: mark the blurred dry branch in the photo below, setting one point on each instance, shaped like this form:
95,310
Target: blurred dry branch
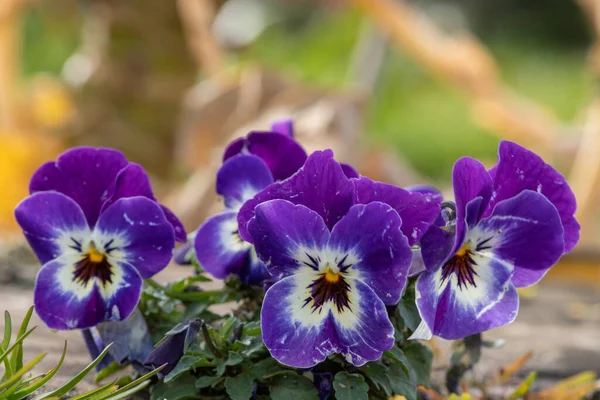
460,60
197,17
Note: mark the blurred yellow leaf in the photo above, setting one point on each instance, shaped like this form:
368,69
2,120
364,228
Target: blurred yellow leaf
572,388
524,387
464,396
50,103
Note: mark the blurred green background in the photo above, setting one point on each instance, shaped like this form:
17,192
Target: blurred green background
540,46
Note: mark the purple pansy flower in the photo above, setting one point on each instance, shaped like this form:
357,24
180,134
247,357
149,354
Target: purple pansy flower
95,179
218,246
176,342
95,250
512,224
341,255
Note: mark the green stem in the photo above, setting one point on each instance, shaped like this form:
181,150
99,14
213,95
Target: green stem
184,296
209,342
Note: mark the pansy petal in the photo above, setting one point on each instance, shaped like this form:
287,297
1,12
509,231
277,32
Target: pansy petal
417,211
365,331
52,223
286,235
294,335
283,155
255,271
470,180
65,303
284,126
453,311
319,185
519,169
234,148
184,254
240,178
436,247
219,249
133,181
84,174
370,242
139,232
525,232
349,171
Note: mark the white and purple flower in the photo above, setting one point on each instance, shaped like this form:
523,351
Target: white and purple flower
96,227
250,164
512,225
339,249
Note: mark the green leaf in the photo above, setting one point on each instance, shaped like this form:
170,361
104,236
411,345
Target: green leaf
206,381
378,374
9,350
16,359
16,377
239,387
407,307
183,388
251,329
22,393
397,355
6,343
61,391
293,386
401,383
267,368
234,358
350,387
111,369
185,364
524,387
420,359
97,393
135,385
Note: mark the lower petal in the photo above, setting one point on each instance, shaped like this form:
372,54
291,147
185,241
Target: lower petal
364,331
294,334
453,311
219,248
63,303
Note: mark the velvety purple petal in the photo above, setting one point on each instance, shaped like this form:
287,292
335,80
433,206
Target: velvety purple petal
417,211
295,336
283,155
284,126
452,311
137,228
234,148
426,190
365,332
377,251
133,181
49,220
284,234
349,171
436,247
178,228
240,178
525,232
63,303
519,169
319,185
84,174
470,180
219,249
255,271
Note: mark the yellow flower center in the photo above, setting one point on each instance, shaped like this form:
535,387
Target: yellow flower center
463,250
95,256
331,276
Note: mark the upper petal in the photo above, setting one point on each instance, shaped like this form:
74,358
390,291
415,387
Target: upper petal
417,210
286,235
137,229
370,238
65,303
219,249
470,181
519,169
320,185
524,232
52,223
349,171
240,178
84,174
282,154
284,126
133,181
